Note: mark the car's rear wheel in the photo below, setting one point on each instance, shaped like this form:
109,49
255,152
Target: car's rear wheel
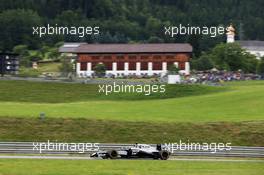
164,155
113,154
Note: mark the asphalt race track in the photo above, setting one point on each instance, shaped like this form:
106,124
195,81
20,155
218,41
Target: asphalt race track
20,149
88,158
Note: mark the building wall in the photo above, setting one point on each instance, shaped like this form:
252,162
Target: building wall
258,54
132,64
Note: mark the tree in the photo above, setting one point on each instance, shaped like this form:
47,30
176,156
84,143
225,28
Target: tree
153,26
202,63
137,20
173,70
155,39
66,67
16,28
232,57
52,53
100,70
260,68
251,63
23,52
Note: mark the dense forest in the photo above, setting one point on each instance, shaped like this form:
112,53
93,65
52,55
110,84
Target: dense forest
123,21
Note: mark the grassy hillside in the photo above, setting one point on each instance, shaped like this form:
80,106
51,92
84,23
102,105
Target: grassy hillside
233,113
42,68
49,67
128,167
242,102
37,92
83,130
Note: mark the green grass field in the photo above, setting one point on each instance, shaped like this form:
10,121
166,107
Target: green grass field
242,101
36,92
49,67
42,68
127,167
75,112
80,130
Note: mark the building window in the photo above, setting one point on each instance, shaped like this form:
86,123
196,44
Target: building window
132,66
120,65
157,65
181,65
169,64
94,64
83,66
144,66
108,65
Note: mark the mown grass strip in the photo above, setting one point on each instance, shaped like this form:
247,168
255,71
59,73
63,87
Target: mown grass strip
40,92
83,130
128,167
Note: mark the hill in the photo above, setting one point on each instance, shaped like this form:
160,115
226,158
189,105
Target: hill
123,21
242,102
232,113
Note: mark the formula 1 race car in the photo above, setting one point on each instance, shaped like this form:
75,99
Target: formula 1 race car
136,151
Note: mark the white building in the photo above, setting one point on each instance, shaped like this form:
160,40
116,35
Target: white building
252,46
130,59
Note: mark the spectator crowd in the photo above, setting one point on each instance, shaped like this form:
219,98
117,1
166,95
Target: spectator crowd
215,77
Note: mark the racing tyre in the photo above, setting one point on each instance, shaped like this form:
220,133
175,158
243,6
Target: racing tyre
113,154
164,155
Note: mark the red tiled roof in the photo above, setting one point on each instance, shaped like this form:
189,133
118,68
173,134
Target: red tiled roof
133,48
